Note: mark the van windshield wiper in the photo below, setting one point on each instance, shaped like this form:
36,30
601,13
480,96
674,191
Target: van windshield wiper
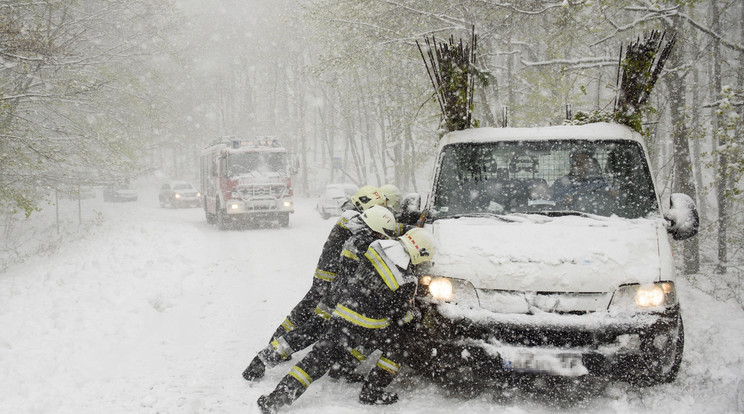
558,213
480,214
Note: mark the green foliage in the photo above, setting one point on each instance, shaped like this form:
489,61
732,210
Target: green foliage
14,200
451,69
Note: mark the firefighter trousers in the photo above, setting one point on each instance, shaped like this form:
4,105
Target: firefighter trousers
304,310
339,339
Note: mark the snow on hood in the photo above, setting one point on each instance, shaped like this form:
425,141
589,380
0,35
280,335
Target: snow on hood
533,253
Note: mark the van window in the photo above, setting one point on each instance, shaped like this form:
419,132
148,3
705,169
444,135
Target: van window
551,176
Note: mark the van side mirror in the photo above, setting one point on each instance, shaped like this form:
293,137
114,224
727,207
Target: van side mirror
410,209
682,217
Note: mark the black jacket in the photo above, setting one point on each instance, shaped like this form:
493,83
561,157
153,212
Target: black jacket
381,290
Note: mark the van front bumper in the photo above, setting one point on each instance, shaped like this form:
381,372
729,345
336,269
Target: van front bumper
483,344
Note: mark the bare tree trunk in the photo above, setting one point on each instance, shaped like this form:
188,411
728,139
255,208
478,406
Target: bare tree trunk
351,145
369,137
697,128
681,152
510,78
410,167
718,140
300,86
383,143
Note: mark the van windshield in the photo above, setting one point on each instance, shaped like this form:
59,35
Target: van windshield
552,176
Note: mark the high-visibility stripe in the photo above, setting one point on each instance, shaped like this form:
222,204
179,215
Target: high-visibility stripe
382,268
325,275
348,253
282,347
358,355
342,222
322,311
388,365
408,317
301,376
288,325
359,319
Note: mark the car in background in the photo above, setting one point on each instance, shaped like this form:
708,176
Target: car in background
333,197
119,193
177,194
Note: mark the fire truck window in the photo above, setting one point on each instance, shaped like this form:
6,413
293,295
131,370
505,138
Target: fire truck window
255,162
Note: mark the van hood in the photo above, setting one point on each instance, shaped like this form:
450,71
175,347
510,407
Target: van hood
536,253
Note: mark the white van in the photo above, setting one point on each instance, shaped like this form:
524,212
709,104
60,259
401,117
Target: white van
553,257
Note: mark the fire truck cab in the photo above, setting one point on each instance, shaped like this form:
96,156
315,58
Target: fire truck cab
246,180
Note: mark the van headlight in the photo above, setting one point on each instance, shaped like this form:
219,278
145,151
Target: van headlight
445,289
654,297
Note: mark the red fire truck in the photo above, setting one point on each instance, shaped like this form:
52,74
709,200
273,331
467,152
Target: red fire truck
246,180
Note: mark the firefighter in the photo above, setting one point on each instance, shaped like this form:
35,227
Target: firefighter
379,296
392,194
379,223
325,272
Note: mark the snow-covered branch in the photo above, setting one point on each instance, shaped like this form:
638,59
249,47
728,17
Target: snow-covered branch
582,62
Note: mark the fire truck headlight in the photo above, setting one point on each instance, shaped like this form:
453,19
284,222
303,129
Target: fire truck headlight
234,206
287,204
177,196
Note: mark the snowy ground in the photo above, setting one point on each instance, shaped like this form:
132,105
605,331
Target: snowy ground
154,311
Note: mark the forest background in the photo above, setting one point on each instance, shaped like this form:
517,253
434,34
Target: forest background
94,92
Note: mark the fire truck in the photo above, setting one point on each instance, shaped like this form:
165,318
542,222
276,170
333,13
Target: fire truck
246,180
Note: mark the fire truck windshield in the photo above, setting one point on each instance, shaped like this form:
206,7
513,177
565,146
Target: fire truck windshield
257,163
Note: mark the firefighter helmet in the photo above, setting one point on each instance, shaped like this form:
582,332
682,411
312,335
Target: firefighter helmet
419,244
380,220
392,194
367,197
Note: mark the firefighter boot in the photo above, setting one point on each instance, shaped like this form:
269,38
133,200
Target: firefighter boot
373,395
266,358
373,391
286,392
255,369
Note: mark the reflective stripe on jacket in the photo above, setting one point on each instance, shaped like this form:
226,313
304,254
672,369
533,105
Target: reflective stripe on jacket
359,319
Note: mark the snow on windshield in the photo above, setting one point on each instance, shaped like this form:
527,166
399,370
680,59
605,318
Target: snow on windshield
257,162
597,177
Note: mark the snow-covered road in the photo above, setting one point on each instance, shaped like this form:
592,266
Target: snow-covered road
154,311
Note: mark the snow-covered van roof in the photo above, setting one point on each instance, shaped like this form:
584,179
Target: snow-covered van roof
596,131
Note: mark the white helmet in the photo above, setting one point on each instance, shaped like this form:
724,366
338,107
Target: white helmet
367,197
380,220
392,193
419,244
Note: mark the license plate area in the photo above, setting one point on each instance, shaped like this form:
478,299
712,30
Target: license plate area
543,361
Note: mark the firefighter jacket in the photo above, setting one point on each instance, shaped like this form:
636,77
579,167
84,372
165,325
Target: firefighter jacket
381,290
352,250
348,224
